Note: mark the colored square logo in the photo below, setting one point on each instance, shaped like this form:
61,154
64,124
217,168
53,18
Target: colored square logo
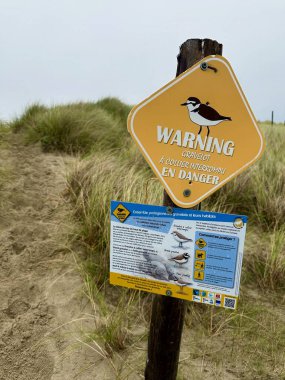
196,292
196,299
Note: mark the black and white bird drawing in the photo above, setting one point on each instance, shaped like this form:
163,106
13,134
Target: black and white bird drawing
203,115
180,238
181,283
181,259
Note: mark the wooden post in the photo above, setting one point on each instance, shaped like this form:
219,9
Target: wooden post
168,313
272,118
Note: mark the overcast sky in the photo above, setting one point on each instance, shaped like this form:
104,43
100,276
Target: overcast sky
57,51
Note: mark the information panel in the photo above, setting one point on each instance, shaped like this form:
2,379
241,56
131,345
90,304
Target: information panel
189,254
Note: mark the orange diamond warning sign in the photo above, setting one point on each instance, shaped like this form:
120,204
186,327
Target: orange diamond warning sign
121,212
201,243
197,132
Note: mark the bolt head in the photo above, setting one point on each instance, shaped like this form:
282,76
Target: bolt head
204,66
187,193
169,210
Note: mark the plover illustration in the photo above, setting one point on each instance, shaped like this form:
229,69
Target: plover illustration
181,259
180,238
202,114
181,283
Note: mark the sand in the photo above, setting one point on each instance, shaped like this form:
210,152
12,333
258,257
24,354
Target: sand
43,312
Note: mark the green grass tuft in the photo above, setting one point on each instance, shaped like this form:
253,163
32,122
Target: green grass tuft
76,128
28,117
116,108
75,131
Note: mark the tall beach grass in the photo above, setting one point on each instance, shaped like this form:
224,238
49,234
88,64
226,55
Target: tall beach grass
111,167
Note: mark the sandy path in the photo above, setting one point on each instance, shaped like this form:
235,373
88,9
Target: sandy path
40,288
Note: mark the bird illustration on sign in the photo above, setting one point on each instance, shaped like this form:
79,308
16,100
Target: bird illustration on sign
203,115
180,238
181,283
181,259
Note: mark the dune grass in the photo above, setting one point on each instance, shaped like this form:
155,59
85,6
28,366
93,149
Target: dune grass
28,117
246,344
76,128
4,169
259,191
93,184
112,168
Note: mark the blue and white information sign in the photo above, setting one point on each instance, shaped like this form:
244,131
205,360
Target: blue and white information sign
189,254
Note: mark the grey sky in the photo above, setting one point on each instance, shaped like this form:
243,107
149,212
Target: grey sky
60,51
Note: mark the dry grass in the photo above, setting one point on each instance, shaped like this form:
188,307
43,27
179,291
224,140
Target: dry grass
259,191
218,344
265,258
93,184
103,177
4,168
247,344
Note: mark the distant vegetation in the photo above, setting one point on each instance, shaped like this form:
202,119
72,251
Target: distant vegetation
112,168
76,128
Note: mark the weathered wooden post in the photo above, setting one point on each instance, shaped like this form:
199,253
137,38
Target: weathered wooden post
272,118
168,313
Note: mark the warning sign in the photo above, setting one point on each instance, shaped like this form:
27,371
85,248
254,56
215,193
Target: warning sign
192,131
199,275
121,213
200,265
156,251
200,254
201,243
